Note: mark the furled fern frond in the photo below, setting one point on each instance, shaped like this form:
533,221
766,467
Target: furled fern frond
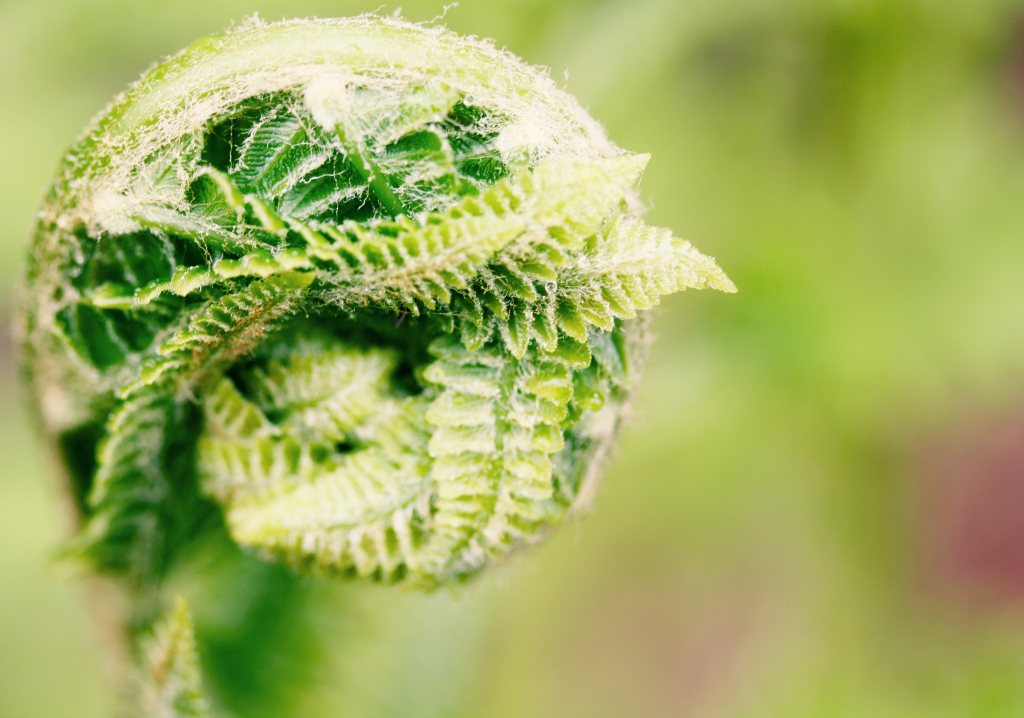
362,293
170,682
143,496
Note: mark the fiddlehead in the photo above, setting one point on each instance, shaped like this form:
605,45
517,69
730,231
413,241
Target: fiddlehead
369,289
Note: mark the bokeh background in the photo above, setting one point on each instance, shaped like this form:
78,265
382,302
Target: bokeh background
819,508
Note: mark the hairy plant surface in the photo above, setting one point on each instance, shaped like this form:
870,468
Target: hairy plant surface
367,289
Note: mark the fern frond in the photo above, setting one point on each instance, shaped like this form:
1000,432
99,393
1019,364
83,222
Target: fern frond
366,287
358,505
143,490
170,681
628,268
131,528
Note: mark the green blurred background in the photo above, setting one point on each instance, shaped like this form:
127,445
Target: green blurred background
819,508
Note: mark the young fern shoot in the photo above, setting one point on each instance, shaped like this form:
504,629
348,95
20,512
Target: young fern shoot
372,289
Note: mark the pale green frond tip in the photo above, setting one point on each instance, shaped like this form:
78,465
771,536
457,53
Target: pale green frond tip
170,681
374,289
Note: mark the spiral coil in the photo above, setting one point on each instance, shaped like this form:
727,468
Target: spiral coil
370,288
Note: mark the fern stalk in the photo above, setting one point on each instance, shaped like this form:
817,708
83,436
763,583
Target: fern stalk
371,290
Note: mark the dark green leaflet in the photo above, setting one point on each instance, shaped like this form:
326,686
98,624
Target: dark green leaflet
268,147
471,144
